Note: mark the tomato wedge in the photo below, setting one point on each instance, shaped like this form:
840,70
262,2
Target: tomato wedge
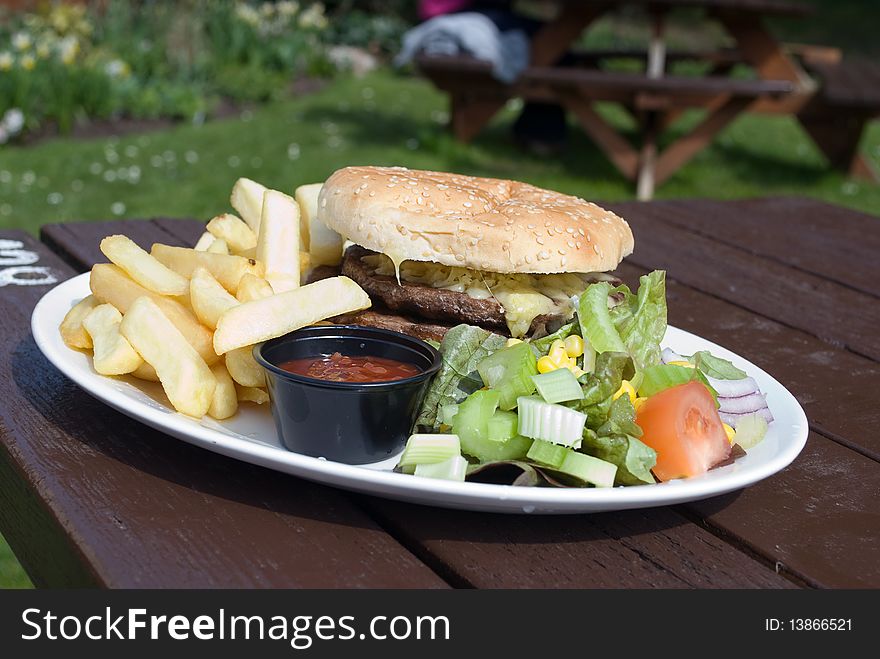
682,425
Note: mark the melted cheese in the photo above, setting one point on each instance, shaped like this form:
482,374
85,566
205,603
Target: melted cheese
523,297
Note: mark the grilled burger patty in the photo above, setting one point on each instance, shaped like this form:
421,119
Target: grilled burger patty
426,301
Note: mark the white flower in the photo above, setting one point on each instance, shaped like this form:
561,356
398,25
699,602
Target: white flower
313,17
21,41
13,121
6,60
287,7
116,69
68,49
247,14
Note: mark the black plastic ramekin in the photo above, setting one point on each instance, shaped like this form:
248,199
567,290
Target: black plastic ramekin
351,422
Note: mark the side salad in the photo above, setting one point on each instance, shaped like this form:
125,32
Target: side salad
596,403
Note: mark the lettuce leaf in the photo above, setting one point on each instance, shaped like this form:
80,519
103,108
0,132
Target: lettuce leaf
595,319
633,323
463,347
641,319
715,367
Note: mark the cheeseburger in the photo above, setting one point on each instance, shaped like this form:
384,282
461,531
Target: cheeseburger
434,249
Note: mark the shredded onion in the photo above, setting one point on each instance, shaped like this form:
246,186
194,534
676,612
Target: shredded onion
742,404
732,419
670,356
734,388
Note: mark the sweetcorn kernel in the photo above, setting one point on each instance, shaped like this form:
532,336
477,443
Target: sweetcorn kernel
574,345
558,355
730,432
545,365
625,388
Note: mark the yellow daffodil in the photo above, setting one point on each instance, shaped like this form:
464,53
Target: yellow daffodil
6,61
28,62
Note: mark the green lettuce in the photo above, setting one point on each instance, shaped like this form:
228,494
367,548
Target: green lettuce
715,367
617,320
463,347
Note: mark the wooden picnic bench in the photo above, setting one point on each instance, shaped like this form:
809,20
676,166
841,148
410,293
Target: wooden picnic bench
656,99
89,497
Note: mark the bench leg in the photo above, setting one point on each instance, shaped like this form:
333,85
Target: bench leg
686,147
469,115
837,132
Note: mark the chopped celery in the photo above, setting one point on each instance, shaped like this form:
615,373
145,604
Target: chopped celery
750,430
429,449
447,413
453,469
546,453
558,386
552,423
471,424
589,358
502,426
509,372
588,469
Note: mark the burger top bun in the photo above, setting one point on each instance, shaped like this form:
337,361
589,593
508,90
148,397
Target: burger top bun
477,223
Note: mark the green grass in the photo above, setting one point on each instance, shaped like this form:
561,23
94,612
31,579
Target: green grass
382,119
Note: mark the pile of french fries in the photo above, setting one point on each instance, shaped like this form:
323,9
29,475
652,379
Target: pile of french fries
189,318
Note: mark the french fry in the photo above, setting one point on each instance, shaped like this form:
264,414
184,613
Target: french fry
186,378
226,268
253,322
244,369
142,267
325,245
253,288
111,285
72,331
204,242
219,246
251,394
278,244
113,353
306,195
237,234
247,200
224,402
145,372
208,298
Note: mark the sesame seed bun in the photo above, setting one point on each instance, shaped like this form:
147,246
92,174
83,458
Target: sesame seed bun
477,223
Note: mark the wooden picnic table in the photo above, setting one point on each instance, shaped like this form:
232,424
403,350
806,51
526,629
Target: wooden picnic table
91,497
655,98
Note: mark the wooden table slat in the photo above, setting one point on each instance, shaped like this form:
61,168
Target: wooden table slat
832,242
833,312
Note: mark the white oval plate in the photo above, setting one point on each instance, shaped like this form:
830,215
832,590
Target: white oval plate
250,436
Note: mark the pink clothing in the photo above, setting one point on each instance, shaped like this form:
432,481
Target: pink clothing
431,8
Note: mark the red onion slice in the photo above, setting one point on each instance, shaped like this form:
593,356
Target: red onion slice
734,388
742,404
731,419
